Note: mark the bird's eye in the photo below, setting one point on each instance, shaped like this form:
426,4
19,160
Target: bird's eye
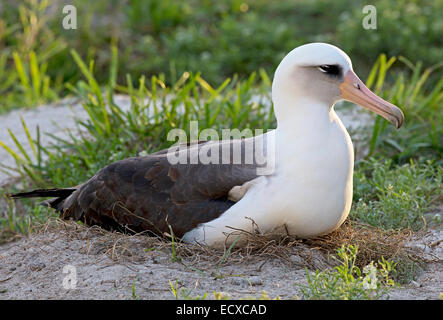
331,69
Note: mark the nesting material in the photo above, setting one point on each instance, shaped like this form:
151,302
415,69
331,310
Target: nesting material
373,244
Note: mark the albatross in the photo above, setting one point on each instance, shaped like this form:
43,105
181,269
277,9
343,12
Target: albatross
309,192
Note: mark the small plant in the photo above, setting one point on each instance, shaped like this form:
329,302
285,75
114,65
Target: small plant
185,293
347,282
407,270
173,249
134,295
34,82
13,222
26,77
225,255
395,196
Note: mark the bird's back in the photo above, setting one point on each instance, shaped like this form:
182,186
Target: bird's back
151,194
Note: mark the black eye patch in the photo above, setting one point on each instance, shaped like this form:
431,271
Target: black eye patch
331,69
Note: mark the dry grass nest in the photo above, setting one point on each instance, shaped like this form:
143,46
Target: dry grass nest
373,244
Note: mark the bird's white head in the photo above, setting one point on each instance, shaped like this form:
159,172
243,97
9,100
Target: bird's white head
322,73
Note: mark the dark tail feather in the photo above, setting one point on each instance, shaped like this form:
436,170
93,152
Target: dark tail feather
59,193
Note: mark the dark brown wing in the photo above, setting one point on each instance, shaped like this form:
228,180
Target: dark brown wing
149,194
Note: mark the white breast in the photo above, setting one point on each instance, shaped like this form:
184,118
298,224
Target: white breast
312,188
309,193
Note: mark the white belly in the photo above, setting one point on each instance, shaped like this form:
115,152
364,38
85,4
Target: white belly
316,196
308,209
309,194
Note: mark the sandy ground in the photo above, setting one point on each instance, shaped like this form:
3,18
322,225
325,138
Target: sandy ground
123,267
112,266
33,269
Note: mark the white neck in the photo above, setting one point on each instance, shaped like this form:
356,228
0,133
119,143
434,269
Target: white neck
302,117
304,127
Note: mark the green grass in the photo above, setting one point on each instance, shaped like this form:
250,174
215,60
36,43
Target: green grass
27,47
183,292
421,103
396,196
13,221
347,282
172,37
134,294
112,134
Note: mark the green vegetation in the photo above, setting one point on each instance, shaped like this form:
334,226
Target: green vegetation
395,197
112,134
13,221
27,49
217,39
421,103
185,293
347,282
